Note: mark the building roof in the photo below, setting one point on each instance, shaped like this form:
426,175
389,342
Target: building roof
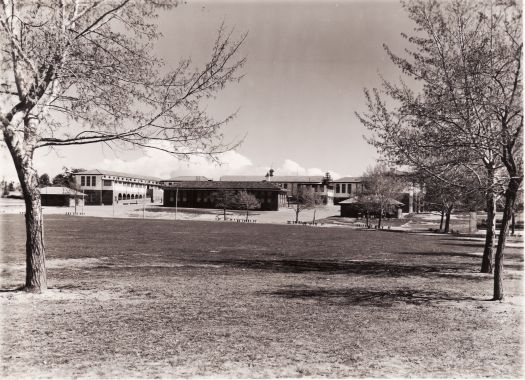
186,178
117,174
349,179
59,190
354,200
224,185
276,178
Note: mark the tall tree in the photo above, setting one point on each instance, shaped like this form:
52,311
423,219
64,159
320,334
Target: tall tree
467,56
79,72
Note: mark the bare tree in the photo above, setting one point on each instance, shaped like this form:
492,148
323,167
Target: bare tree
467,56
446,197
247,202
381,187
79,72
306,199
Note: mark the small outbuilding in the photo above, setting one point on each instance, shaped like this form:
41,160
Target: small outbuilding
355,208
60,196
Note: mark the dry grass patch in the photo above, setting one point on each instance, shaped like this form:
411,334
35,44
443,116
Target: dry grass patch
150,298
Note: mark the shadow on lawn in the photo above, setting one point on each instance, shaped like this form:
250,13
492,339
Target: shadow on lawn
365,297
370,268
438,254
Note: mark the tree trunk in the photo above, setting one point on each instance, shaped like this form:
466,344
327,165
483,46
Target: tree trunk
513,225
224,213
367,217
313,221
442,217
486,263
510,199
447,220
380,218
36,281
297,214
247,212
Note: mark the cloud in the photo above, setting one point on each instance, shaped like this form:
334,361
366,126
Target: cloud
155,163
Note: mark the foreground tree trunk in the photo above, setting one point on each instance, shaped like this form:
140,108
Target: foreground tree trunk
486,263
447,220
36,280
380,218
510,199
442,217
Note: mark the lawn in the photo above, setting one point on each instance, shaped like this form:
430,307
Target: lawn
156,298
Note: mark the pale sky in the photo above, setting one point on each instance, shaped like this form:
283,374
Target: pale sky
307,65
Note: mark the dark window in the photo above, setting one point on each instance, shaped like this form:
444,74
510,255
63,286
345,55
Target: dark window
107,183
285,186
88,181
82,181
350,188
337,188
93,181
343,188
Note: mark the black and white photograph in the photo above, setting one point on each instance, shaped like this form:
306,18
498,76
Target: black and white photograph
261,189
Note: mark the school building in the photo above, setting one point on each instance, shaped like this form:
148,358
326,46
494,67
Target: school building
105,187
205,194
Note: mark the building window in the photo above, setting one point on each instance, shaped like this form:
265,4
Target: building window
350,188
343,188
93,181
82,180
285,186
337,188
107,183
88,181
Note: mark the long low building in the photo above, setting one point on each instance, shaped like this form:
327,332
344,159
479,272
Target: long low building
291,183
204,194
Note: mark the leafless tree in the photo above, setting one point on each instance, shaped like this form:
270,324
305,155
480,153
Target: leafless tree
467,57
306,199
247,202
381,187
80,72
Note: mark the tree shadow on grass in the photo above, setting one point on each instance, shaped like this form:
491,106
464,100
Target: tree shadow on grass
470,245
439,254
369,268
366,297
12,290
